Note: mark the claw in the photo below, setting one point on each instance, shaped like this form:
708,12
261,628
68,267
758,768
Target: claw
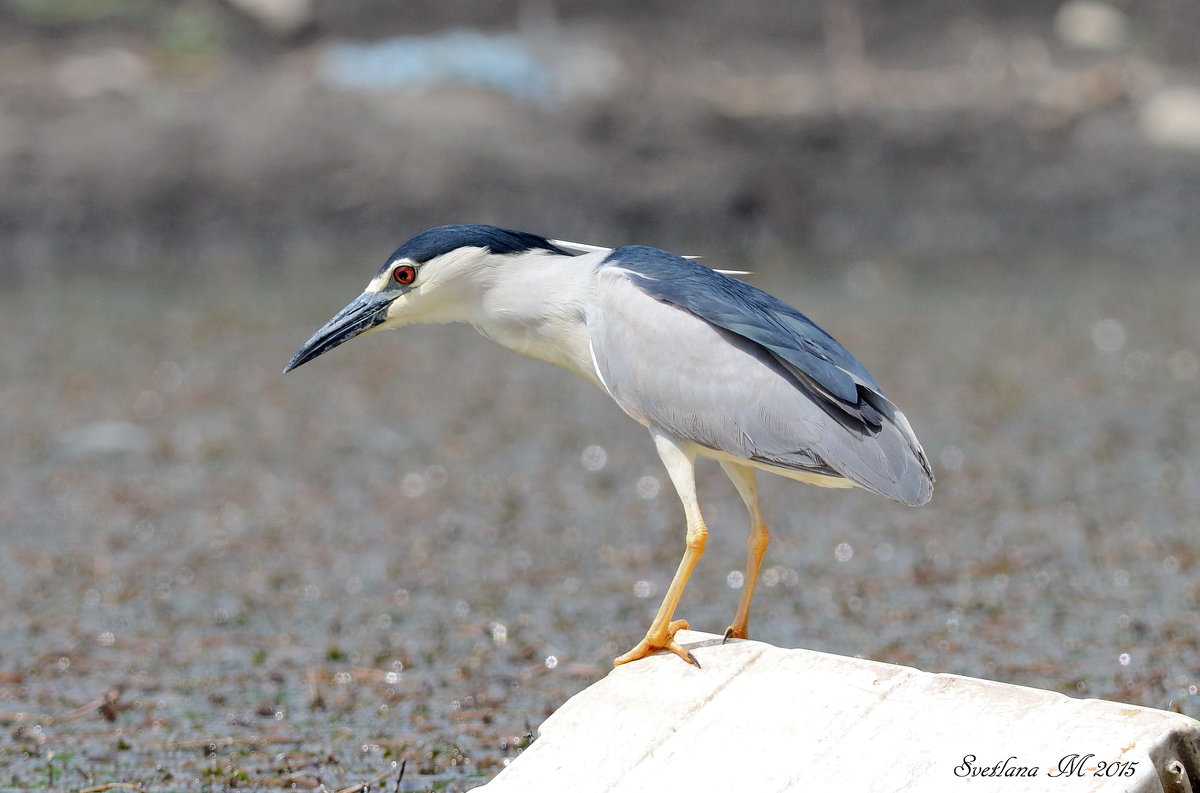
733,632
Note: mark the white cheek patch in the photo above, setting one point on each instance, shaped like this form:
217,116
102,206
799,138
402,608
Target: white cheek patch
393,311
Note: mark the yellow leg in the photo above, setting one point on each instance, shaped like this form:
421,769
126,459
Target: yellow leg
743,479
680,462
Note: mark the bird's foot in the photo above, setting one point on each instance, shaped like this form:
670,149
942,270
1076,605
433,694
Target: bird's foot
735,632
665,641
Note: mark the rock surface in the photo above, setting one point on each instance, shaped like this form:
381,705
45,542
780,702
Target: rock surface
761,718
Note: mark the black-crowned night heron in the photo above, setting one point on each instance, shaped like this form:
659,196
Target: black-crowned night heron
710,365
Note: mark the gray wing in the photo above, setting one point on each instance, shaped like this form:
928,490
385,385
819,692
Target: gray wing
717,362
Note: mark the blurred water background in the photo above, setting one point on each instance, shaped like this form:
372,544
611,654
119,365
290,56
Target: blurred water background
214,576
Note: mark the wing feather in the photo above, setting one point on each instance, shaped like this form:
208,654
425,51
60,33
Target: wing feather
812,354
717,362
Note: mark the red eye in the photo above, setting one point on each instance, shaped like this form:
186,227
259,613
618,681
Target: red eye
404,274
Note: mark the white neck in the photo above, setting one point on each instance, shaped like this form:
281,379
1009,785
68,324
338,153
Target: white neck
509,300
519,311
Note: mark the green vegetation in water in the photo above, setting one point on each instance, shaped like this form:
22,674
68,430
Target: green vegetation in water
190,33
67,11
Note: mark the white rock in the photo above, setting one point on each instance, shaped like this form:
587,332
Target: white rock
1171,117
762,719
1091,25
284,17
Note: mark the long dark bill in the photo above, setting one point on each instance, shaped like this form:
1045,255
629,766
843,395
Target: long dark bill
367,311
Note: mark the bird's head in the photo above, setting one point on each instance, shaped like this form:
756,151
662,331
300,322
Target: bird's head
430,278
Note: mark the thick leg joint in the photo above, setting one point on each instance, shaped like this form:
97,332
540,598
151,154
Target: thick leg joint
758,540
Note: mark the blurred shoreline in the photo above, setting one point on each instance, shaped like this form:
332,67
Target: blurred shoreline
963,130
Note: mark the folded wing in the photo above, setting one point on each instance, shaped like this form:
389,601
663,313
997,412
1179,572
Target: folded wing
715,361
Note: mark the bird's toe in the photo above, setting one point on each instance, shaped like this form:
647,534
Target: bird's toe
665,641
